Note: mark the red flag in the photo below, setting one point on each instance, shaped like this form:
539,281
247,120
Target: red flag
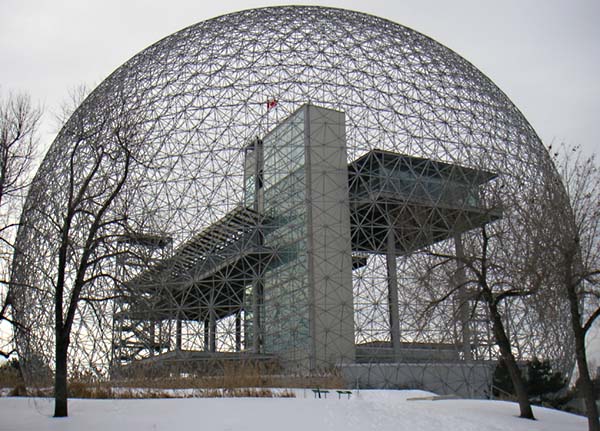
271,103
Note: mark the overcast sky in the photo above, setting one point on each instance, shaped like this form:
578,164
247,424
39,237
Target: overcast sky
544,54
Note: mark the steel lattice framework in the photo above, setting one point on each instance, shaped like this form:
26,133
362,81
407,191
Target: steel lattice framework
187,107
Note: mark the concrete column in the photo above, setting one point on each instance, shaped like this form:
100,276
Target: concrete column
464,311
393,294
238,331
256,320
328,241
152,337
206,335
213,332
178,333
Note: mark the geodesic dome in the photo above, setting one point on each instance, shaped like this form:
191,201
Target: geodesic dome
185,109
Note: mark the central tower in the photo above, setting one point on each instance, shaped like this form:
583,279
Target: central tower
298,178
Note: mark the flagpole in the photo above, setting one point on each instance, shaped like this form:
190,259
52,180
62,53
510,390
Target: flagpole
268,110
271,104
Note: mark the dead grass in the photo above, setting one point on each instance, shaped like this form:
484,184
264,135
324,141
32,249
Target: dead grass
236,376
234,380
10,377
18,391
80,389
86,390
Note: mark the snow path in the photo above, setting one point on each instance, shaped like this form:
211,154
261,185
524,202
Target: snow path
369,410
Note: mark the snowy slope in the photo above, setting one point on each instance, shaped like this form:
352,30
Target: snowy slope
367,410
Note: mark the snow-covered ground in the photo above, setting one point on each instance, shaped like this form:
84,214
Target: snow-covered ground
367,410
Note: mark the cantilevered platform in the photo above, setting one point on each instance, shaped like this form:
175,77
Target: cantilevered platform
419,201
205,275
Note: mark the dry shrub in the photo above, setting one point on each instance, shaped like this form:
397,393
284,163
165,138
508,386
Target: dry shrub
18,391
236,375
244,393
210,393
79,389
131,394
248,393
229,379
286,393
248,375
10,374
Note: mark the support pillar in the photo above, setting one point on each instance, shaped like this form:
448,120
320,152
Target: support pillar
213,332
394,311
238,331
206,335
464,311
256,320
152,337
178,333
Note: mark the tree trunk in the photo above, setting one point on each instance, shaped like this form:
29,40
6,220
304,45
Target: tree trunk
586,387
585,382
60,378
509,361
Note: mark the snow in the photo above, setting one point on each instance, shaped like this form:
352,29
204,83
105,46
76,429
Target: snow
367,410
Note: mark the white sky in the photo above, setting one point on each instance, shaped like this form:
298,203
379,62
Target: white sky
544,54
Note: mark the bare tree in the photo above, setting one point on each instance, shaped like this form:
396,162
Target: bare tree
79,227
19,121
574,253
88,226
487,278
75,97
